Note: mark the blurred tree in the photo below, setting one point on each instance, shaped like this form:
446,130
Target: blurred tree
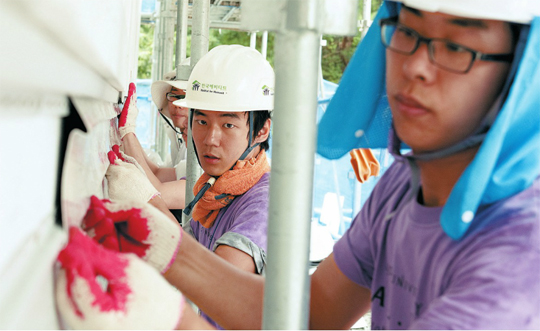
339,50
230,37
335,56
146,44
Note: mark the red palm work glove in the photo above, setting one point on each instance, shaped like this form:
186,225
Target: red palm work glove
97,288
137,228
128,116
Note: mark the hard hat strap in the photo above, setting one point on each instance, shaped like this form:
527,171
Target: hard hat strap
169,122
191,111
199,195
249,148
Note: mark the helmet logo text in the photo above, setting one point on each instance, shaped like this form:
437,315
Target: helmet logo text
210,88
267,90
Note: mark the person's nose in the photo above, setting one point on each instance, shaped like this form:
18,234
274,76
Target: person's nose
213,136
418,66
184,112
183,123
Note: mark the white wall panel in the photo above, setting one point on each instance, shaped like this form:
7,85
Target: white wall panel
54,50
29,140
86,158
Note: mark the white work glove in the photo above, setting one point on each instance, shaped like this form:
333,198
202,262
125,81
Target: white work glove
97,288
127,180
128,116
137,228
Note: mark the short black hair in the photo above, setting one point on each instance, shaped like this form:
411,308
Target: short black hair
259,118
515,29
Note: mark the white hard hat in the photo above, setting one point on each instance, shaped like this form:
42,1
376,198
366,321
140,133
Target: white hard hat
230,78
160,88
517,11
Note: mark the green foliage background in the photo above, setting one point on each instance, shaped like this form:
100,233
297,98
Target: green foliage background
335,55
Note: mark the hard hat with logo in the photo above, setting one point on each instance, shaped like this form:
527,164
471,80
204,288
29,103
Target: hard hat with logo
521,11
507,161
160,88
230,78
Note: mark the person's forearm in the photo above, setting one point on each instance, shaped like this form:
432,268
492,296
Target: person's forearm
162,206
192,321
172,192
133,148
230,296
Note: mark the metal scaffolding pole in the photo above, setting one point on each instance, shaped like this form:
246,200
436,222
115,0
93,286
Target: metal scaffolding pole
366,16
181,51
293,151
264,44
253,39
181,33
163,61
199,47
298,25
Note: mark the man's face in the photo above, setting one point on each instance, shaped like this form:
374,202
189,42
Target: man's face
179,115
433,108
220,139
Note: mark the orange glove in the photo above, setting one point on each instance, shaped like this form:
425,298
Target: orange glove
364,164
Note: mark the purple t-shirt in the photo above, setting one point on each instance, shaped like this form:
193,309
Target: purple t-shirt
242,225
422,279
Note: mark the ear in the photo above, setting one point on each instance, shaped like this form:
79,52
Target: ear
263,134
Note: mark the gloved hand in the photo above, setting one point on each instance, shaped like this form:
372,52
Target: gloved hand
128,116
138,228
100,289
127,180
126,158
364,163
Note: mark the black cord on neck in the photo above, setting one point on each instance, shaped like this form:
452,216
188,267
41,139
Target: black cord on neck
168,122
199,195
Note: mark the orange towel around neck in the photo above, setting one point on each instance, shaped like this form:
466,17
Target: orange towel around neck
228,186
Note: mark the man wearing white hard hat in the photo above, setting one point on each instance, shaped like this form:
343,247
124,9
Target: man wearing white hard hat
230,96
450,236
164,93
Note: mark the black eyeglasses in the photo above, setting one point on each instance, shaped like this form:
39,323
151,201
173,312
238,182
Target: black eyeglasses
443,53
173,97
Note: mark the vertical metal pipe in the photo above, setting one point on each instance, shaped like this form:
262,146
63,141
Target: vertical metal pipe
286,302
199,47
164,62
181,33
264,43
366,16
253,39
181,46
199,29
321,78
157,73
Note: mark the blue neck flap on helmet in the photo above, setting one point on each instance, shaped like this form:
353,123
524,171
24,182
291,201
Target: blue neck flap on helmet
508,160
